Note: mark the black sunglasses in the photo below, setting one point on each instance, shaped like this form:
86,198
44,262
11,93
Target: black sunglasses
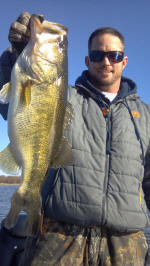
113,56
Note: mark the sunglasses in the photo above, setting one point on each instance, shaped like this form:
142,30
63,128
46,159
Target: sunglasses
113,56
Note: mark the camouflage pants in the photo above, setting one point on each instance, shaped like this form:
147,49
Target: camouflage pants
71,245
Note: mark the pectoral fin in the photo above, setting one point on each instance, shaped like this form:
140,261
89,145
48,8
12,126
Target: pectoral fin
25,93
7,161
5,93
64,156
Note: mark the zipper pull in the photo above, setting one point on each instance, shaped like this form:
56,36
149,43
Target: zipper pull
105,111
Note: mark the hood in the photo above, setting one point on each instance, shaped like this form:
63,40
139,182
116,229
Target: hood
127,87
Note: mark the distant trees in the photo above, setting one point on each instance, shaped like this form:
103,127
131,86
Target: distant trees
9,179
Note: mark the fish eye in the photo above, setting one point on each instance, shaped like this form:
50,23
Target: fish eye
62,45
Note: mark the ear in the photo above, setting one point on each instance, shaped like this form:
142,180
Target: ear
87,61
125,61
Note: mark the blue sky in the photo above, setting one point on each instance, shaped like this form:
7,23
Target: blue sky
130,17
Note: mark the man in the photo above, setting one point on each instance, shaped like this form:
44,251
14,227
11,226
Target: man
95,211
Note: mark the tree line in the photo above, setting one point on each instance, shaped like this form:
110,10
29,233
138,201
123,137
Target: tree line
9,179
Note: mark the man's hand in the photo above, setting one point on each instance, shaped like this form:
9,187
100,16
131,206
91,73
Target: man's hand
19,32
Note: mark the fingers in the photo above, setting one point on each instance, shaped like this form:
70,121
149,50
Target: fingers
24,18
19,30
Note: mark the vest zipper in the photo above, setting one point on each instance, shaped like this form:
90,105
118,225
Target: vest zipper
107,114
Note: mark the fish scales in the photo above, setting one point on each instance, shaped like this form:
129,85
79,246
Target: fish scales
37,117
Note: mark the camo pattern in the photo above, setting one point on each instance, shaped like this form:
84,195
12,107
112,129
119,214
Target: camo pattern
62,244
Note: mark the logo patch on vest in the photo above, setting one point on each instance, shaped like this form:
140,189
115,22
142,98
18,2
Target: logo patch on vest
105,111
135,114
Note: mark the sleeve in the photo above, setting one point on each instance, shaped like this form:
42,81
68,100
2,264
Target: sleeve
7,61
146,180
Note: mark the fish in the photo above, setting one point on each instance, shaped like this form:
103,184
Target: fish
38,117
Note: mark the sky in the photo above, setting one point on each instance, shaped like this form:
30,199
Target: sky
82,17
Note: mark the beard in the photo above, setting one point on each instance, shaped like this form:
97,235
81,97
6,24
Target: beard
99,81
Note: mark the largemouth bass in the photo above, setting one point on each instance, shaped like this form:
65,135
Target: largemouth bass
37,118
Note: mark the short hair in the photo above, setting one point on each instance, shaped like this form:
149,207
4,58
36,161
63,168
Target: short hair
105,30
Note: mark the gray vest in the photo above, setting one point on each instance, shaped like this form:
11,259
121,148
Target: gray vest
102,188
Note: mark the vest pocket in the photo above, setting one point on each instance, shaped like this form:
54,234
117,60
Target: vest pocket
53,185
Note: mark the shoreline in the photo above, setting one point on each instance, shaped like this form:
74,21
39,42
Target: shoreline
5,184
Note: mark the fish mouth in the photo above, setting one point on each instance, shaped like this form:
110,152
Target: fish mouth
55,28
52,27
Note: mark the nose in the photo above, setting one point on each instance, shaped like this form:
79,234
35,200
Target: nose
106,60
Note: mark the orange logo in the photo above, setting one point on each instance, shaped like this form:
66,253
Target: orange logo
135,114
105,111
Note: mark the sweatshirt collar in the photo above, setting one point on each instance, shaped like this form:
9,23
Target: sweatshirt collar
127,87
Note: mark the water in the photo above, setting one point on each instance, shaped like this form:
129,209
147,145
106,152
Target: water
6,194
